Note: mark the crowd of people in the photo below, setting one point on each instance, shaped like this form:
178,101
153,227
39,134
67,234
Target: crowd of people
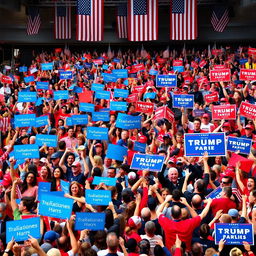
151,213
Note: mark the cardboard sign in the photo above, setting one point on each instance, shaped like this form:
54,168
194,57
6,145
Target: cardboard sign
223,75
6,79
98,197
166,81
43,187
100,116
152,163
106,180
213,97
23,69
128,122
120,73
178,69
140,147
144,107
219,67
26,151
177,63
216,193
247,74
234,233
48,140
183,100
25,120
251,51
246,164
97,87
29,79
79,119
21,229
86,107
109,77
102,95
121,93
65,186
116,152
198,112
41,121
248,110
227,112
153,72
149,95
27,97
97,133
90,221
52,206
118,106
164,112
97,62
65,75
47,66
239,144
138,67
196,144
202,63
132,98
60,95
42,85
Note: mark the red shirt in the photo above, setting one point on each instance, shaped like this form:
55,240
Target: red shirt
222,204
183,228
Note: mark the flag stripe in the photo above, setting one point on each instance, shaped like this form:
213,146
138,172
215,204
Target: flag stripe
63,24
143,27
33,24
184,24
220,19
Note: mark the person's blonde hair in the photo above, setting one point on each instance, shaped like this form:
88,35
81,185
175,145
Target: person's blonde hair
210,252
235,252
98,161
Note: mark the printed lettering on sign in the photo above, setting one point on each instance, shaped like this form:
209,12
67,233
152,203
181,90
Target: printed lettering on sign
223,75
247,74
144,107
227,112
248,110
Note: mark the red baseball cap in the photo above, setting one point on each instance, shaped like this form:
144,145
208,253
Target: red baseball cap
249,126
142,139
226,124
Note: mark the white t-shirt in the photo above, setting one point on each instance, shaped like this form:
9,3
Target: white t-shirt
152,241
105,252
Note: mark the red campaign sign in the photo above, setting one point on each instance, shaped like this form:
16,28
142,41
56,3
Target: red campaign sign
58,50
202,80
85,96
247,74
161,60
223,75
164,112
138,89
224,112
6,79
194,64
98,62
246,164
177,63
144,107
132,98
216,51
248,110
252,51
138,67
213,97
219,67
202,63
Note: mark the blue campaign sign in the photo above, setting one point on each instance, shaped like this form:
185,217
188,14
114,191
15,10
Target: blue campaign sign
39,101
120,73
42,85
21,229
41,121
86,107
79,119
196,144
152,163
198,112
140,147
104,66
216,193
116,152
66,75
97,133
43,187
23,69
79,66
104,110
90,220
65,186
77,89
29,79
234,233
26,151
97,197
243,61
128,122
118,106
149,95
178,68
60,95
126,82
97,87
121,93
25,120
27,97
239,144
52,206
106,180
183,100
88,65
47,66
166,81
100,116
153,72
116,60
102,95
109,77
48,140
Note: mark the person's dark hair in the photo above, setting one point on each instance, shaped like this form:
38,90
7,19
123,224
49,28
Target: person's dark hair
109,218
112,168
254,179
62,145
213,175
200,185
100,239
32,168
204,231
227,191
89,252
197,119
176,212
162,152
24,185
229,179
197,249
130,144
29,202
96,172
131,245
53,131
71,154
144,246
176,194
62,177
158,250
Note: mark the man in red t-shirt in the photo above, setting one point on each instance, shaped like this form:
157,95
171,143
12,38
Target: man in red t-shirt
184,228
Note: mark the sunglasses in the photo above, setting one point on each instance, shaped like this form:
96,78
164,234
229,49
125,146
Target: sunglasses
225,182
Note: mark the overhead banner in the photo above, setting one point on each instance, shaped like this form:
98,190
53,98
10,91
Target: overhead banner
196,144
234,233
227,112
218,75
248,110
152,163
242,145
166,81
144,107
247,74
183,100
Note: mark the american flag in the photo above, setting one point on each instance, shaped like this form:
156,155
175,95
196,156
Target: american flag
183,23
142,20
90,20
62,22
34,21
122,20
220,18
236,191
